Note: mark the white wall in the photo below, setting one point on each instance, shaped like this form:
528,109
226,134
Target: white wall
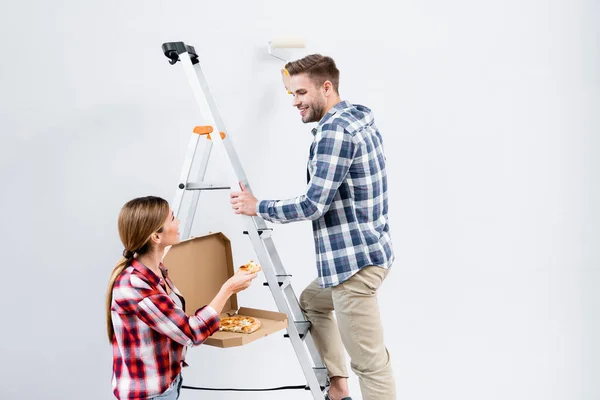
489,116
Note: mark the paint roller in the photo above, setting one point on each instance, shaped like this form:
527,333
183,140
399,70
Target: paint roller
288,42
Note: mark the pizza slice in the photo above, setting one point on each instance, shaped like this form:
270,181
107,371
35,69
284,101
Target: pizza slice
240,324
251,267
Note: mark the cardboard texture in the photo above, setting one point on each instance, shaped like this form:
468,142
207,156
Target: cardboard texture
199,267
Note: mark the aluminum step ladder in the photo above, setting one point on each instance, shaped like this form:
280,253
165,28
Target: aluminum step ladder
278,280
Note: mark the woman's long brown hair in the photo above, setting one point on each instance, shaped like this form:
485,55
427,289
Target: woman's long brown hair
138,220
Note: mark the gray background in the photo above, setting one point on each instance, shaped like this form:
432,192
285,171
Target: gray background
489,112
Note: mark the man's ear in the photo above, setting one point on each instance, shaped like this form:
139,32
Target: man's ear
328,86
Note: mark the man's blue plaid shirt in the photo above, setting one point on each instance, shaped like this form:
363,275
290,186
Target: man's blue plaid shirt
346,196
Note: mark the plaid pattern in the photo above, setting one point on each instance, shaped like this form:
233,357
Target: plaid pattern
151,333
346,196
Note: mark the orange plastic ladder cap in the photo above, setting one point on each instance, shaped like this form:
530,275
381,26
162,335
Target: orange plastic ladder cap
203,130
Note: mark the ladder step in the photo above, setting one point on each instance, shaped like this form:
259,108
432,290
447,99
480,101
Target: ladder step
267,232
283,280
302,326
261,231
322,377
204,186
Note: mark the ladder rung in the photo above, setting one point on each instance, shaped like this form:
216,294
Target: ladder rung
322,376
266,232
302,326
283,280
203,186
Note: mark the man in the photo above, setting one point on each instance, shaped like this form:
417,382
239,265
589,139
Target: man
346,199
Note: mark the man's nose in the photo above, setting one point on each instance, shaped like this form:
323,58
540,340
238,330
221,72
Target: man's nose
296,102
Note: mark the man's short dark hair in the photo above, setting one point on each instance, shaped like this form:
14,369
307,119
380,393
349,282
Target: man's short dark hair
318,68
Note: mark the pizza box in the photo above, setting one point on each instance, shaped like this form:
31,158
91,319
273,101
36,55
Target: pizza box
198,267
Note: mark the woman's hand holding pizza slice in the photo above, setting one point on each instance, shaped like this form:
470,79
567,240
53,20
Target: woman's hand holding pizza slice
241,323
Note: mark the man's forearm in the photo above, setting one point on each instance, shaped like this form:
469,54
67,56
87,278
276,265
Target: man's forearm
291,210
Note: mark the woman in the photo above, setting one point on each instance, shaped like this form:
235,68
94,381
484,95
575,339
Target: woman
147,326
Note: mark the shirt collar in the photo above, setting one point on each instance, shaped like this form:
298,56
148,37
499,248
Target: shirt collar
148,273
342,105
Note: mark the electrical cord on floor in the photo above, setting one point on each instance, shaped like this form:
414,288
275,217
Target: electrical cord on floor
246,390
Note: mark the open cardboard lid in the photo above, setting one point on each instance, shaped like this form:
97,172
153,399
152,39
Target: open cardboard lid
199,267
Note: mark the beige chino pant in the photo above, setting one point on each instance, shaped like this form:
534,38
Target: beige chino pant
358,330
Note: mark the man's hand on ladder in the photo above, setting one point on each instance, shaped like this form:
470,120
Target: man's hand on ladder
243,202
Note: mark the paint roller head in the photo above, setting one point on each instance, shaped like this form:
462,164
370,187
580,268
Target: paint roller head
287,42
